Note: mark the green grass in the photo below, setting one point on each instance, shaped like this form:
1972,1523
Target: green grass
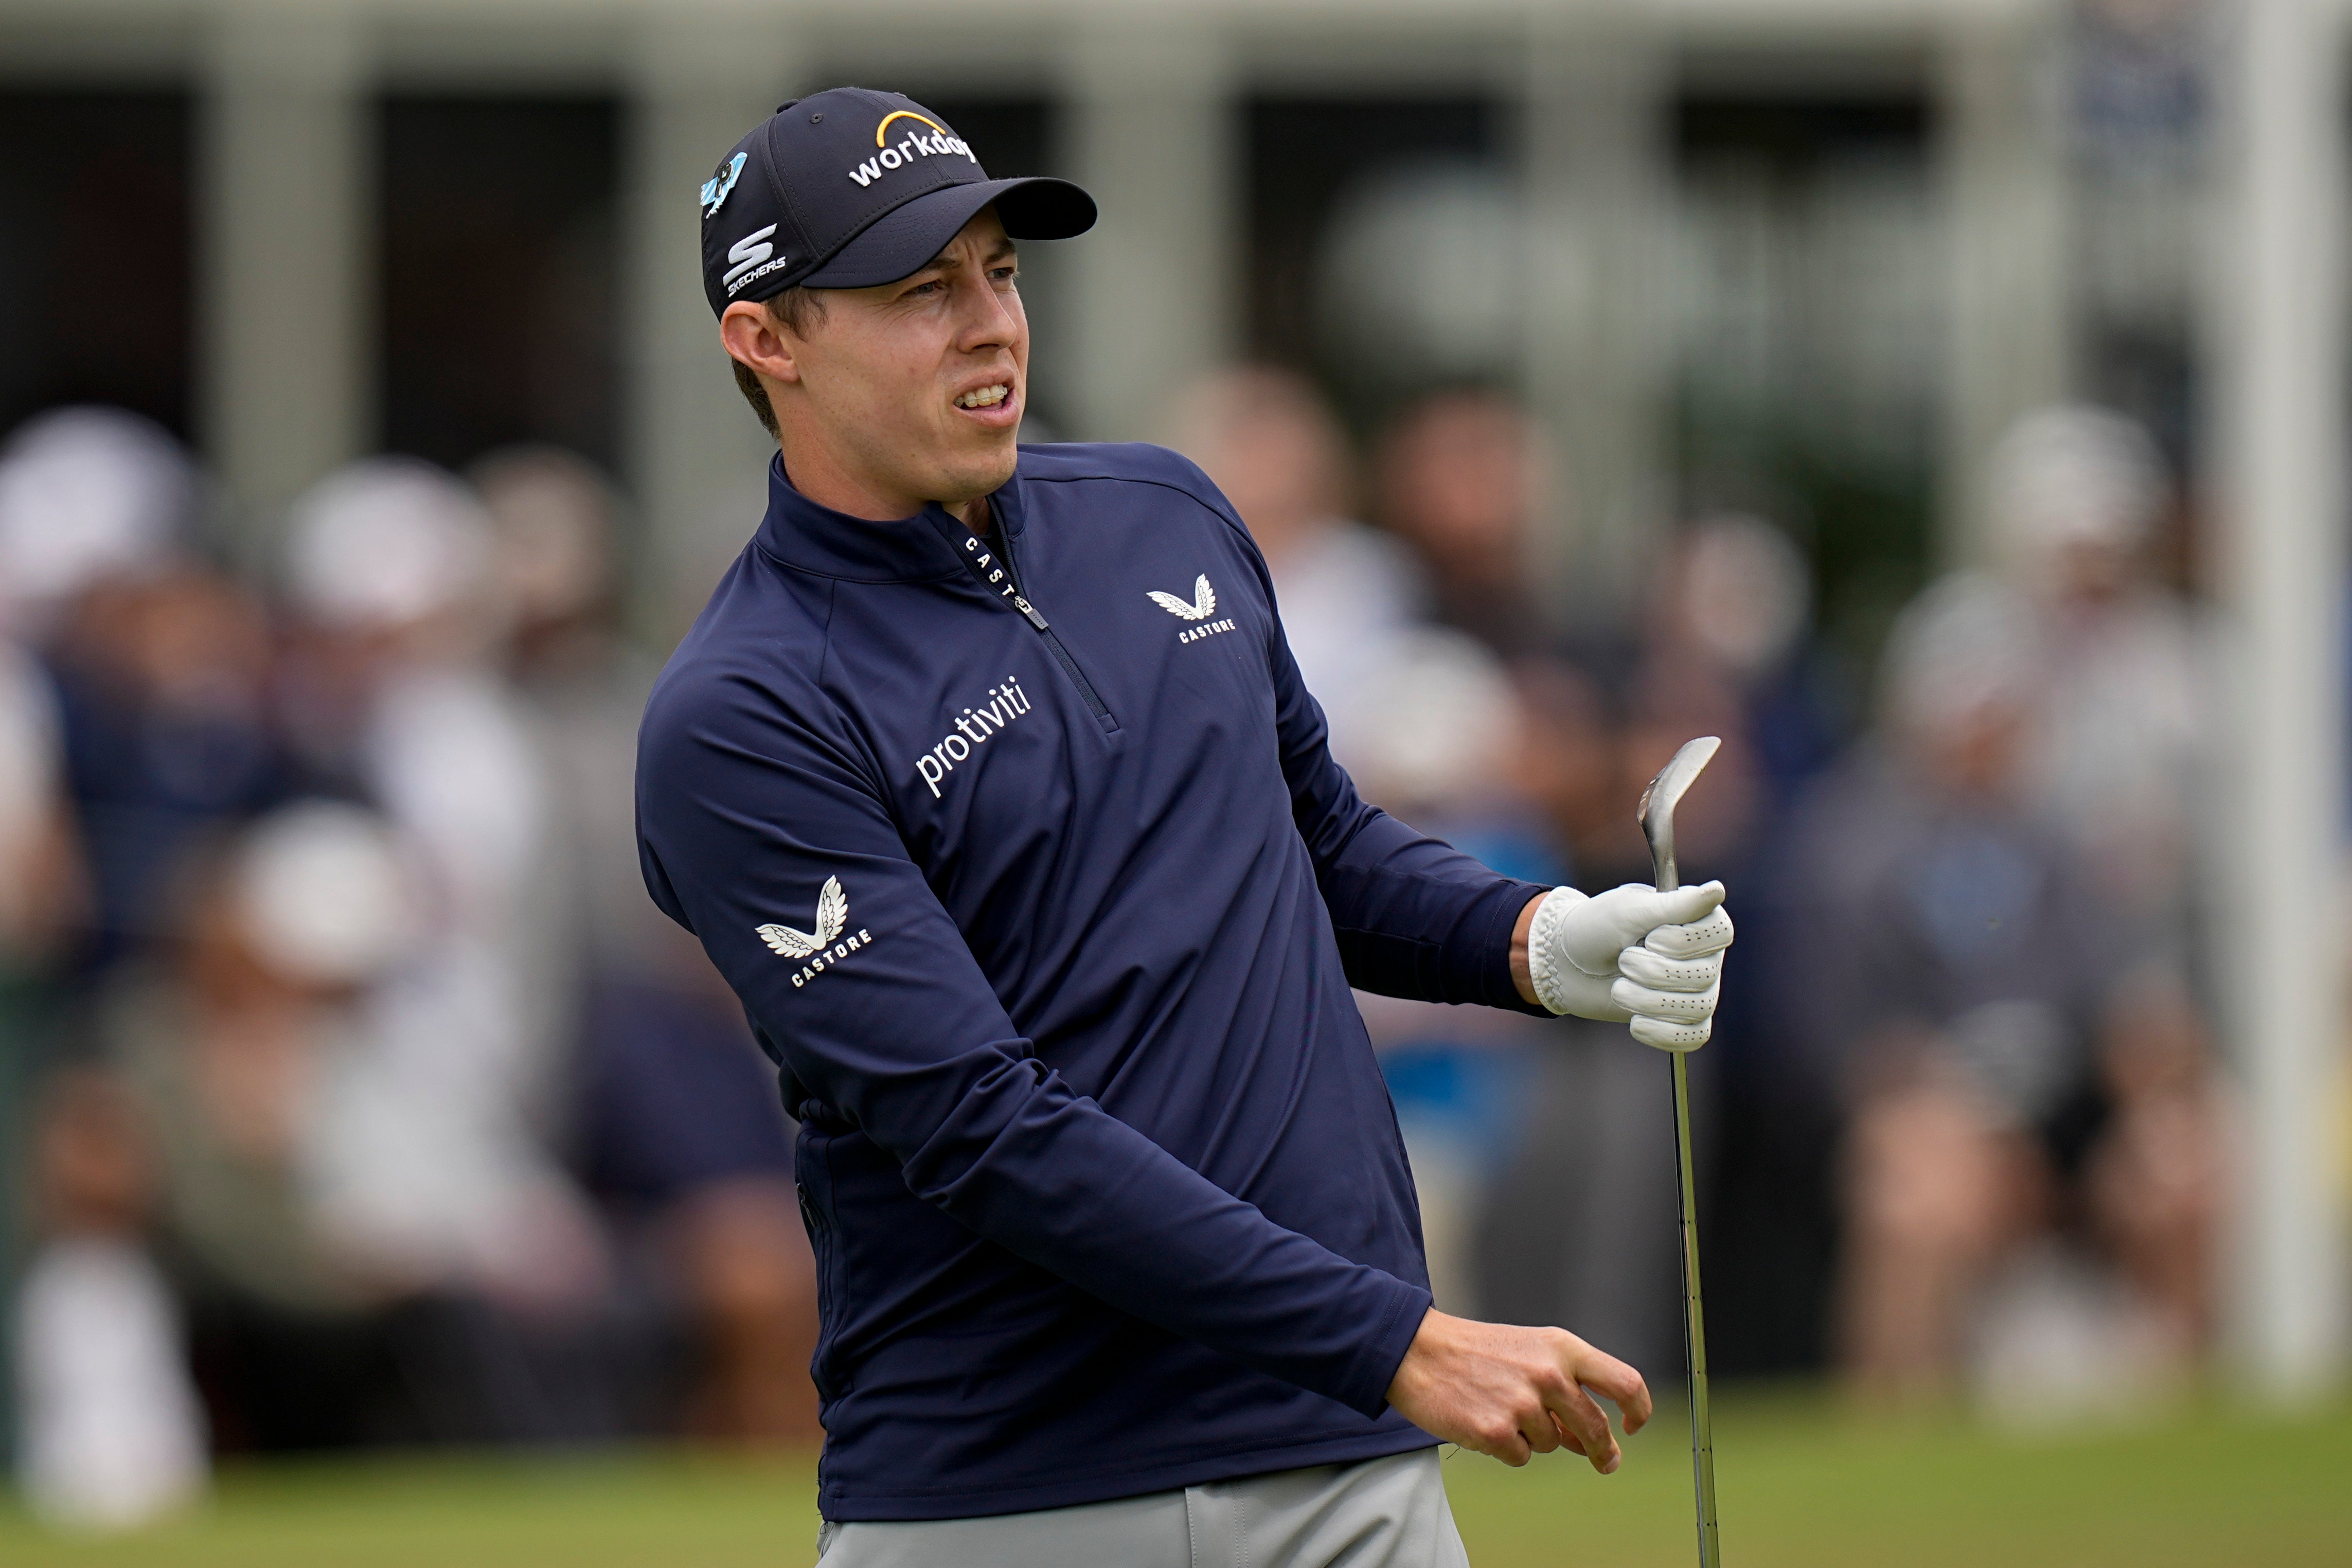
1800,1484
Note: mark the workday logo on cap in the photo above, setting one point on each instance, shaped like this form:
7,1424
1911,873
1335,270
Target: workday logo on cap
857,188
912,144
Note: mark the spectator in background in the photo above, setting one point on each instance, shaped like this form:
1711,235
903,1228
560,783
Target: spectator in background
87,495
678,1125
159,664
1722,649
41,902
1726,649
1461,477
196,1133
2118,759
573,692
442,1171
1571,762
164,686
1448,758
2118,752
1988,1024
684,1138
1347,592
109,1434
236,1046
554,524
1733,617
1583,1222
42,886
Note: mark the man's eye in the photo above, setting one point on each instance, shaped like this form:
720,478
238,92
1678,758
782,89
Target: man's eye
933,287
1006,274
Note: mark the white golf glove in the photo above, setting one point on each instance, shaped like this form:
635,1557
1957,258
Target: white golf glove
1634,953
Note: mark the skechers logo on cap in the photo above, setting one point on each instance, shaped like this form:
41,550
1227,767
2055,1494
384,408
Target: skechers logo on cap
905,149
797,198
750,256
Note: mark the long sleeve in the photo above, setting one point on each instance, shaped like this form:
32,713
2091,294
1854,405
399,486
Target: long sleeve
762,831
1415,917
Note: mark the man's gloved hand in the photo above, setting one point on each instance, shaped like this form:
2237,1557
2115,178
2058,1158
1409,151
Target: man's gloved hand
1634,953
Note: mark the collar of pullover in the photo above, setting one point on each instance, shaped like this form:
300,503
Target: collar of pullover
800,532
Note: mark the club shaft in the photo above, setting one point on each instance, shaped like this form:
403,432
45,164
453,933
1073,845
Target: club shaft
1695,1325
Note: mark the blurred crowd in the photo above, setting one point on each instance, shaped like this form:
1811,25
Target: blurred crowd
357,1095
1961,1126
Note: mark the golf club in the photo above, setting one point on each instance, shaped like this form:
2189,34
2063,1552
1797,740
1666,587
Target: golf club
1657,815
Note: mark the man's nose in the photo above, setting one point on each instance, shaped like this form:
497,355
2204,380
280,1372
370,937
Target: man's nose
988,318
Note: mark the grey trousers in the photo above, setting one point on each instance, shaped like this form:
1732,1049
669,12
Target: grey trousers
1379,1513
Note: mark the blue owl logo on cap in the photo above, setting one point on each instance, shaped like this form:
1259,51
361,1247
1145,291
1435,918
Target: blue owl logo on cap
715,189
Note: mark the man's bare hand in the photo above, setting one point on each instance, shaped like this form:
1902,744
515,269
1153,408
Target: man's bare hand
1512,1392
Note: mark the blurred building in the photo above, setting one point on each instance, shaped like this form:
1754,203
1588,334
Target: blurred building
360,225
1801,258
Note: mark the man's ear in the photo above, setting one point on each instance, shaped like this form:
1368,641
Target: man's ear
755,339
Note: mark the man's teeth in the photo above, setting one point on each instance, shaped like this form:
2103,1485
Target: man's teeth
985,398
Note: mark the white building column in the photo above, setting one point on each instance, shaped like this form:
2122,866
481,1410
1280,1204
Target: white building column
1151,295
2278,338
286,232
2009,342
696,455
1594,148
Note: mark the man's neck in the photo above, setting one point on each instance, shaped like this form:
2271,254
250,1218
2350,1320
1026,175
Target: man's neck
827,484
974,514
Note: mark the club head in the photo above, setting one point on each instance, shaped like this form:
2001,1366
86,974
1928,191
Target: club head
1658,801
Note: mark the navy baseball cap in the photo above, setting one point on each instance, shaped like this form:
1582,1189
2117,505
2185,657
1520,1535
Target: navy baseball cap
851,188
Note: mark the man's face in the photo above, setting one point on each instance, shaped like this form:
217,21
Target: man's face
914,390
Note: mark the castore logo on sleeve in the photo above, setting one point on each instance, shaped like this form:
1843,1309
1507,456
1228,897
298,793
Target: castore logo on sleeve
825,946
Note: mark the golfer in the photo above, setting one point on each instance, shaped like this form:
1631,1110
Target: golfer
988,781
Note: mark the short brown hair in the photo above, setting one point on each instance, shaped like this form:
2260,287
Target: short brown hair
795,309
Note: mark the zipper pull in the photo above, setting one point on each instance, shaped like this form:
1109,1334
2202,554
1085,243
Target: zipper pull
1030,610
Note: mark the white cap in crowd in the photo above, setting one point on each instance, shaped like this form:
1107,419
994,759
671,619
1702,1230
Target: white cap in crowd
1966,643
552,513
323,893
386,542
1746,593
1449,720
2074,474
89,493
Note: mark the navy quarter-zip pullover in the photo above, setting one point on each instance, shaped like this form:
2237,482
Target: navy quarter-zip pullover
1030,864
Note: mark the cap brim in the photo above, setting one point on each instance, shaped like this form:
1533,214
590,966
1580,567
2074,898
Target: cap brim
904,239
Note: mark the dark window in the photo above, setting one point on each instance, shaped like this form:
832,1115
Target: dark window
95,264
501,314
1809,384
1797,133
1305,157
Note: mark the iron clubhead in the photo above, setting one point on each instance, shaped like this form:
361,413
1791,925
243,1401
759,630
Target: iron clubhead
1658,802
